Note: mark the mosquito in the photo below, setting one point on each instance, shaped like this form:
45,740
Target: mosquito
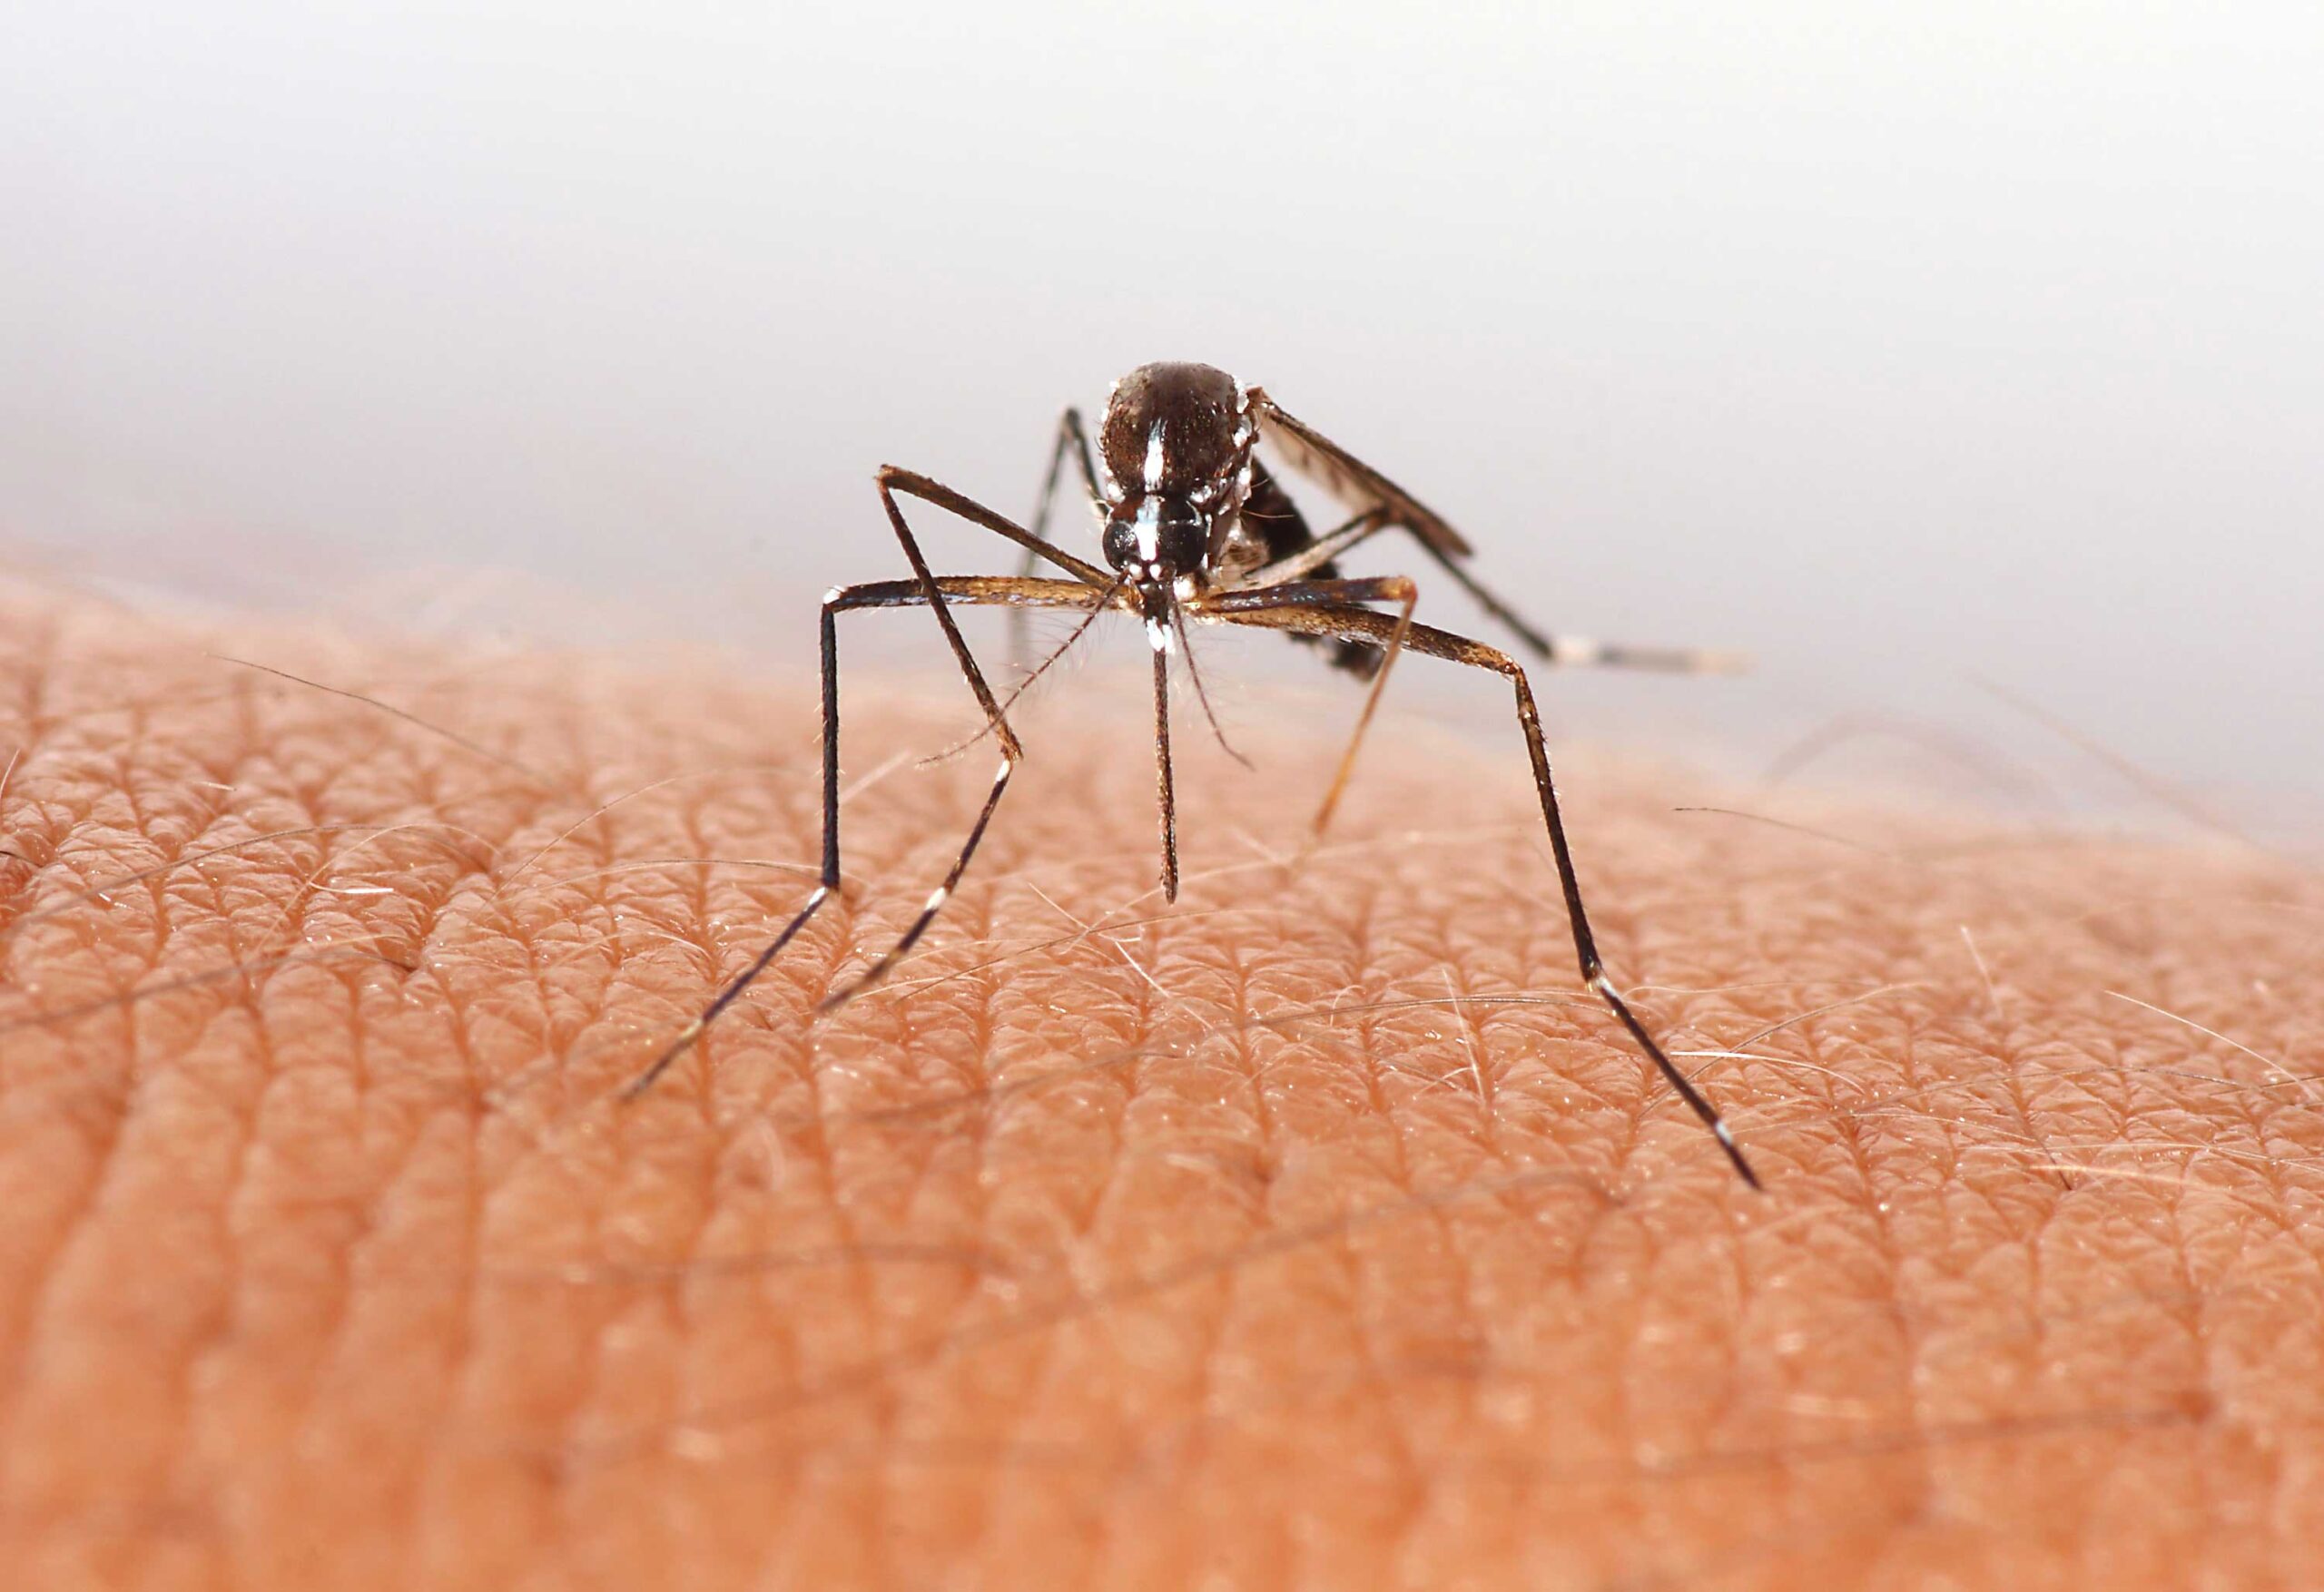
1198,530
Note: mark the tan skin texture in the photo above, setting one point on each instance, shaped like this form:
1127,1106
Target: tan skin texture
1219,1246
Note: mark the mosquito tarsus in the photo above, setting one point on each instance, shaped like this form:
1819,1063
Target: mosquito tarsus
1195,528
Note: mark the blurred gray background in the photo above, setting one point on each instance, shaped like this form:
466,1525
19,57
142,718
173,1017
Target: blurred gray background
1901,346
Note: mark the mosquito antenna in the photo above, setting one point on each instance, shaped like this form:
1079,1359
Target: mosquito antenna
1194,672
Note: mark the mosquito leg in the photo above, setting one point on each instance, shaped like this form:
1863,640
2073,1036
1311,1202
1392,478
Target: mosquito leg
1562,651
1565,651
1569,651
1017,591
1315,556
892,479
1394,588
1353,481
974,590
1158,631
1080,629
1071,439
1350,623
1402,592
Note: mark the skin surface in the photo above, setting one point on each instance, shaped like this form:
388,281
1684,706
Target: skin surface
1318,1232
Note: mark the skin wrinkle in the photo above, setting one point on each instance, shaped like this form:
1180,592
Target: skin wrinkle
1257,1183
1134,1015
961,1200
1291,1280
1380,1280
328,1092
184,1311
852,1292
91,1191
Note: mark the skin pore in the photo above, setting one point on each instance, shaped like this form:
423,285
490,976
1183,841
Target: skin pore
1318,1232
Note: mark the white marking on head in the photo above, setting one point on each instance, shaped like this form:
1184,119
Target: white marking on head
1149,525
1154,458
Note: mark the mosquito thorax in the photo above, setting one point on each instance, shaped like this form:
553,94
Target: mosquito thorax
1181,430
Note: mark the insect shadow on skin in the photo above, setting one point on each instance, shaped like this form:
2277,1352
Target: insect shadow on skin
1195,529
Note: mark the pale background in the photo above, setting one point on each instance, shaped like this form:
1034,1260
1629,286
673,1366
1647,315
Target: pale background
1897,346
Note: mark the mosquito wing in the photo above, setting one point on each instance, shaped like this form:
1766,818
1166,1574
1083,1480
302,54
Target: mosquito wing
1355,483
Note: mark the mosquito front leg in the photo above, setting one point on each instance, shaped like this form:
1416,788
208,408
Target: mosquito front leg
1347,624
975,591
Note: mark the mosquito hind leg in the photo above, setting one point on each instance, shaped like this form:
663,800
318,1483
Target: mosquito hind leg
1574,651
1072,440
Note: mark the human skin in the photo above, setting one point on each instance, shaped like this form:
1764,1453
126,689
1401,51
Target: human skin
1317,1232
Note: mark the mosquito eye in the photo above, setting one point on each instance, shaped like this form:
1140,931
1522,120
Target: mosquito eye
1183,542
1121,543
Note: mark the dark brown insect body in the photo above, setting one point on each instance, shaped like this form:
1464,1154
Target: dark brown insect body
1193,529
1179,448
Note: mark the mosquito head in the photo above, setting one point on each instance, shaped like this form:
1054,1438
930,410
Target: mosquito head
1155,540
1177,441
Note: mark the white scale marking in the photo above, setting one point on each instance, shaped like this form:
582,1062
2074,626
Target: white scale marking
936,899
1154,456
